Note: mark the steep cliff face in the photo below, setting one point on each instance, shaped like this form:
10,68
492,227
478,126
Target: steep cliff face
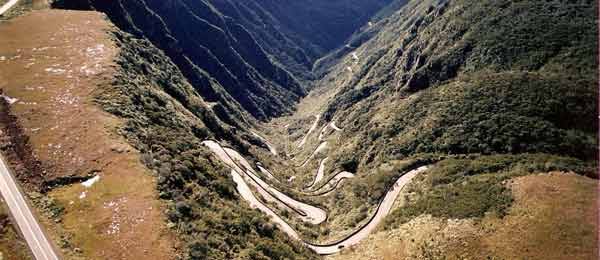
296,33
259,52
210,48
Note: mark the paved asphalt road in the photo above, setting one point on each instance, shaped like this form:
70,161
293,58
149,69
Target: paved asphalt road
30,228
7,6
383,209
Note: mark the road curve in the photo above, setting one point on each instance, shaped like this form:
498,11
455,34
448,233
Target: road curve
266,172
383,209
320,174
312,128
238,163
312,214
317,150
272,148
247,195
331,184
324,129
315,191
322,132
332,124
8,6
35,237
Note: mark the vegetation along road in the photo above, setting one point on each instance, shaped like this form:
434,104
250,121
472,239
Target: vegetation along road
30,228
246,177
8,6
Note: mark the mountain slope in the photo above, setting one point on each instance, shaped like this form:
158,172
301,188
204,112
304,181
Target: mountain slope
483,92
451,85
249,47
166,119
488,90
151,189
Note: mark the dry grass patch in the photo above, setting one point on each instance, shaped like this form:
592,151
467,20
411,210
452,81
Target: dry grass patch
12,245
553,217
54,63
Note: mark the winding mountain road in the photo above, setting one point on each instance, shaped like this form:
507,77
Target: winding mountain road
246,193
35,237
332,183
383,209
266,172
322,146
313,190
320,174
243,174
322,132
332,124
238,163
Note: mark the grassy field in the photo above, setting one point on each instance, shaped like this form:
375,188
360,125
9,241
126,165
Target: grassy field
553,217
474,187
22,7
74,139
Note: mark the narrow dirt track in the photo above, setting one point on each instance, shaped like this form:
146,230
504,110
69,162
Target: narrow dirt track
320,174
272,148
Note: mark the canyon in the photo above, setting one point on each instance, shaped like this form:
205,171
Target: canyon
263,129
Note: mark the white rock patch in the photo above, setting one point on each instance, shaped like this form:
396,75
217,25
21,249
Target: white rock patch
89,183
10,100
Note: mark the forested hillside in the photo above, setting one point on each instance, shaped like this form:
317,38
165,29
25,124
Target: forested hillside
483,94
462,77
259,52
